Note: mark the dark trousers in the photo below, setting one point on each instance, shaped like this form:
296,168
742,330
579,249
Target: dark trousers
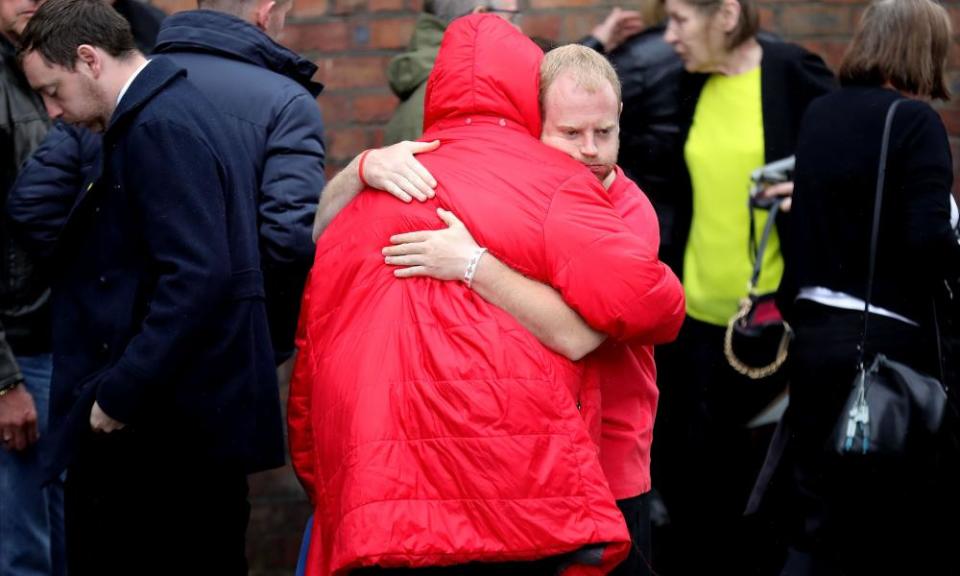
636,512
705,459
862,515
132,508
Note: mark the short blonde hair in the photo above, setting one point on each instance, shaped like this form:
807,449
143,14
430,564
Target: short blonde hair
590,70
903,42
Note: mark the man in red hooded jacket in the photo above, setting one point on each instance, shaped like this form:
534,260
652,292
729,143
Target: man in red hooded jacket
580,104
427,425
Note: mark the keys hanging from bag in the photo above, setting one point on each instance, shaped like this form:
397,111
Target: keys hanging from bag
889,402
757,339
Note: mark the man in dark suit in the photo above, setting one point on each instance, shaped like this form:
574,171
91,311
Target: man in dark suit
164,391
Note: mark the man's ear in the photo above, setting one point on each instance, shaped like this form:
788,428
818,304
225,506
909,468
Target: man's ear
262,13
89,61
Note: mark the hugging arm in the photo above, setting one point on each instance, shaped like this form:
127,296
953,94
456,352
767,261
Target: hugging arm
445,255
393,169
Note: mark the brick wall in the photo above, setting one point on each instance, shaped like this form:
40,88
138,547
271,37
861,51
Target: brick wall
352,41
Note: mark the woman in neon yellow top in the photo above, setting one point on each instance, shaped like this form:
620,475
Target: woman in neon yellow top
742,98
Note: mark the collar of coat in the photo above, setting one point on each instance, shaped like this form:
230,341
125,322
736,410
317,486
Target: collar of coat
151,81
220,34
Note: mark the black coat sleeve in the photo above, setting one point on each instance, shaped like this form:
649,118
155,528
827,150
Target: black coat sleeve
9,370
928,180
48,185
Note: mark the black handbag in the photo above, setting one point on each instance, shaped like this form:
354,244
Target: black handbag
757,338
889,402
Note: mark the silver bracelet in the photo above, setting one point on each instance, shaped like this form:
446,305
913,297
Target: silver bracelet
472,266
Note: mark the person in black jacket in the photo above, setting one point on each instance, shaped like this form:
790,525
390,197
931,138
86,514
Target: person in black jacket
30,516
164,386
870,516
741,98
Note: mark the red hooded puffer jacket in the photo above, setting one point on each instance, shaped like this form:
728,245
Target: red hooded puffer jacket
428,426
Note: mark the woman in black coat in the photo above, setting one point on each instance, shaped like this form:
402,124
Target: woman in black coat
864,515
741,101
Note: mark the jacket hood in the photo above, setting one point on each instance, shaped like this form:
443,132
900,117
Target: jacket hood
408,71
485,67
210,32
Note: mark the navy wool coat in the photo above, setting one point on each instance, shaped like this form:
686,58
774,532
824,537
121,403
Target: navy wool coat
267,97
159,300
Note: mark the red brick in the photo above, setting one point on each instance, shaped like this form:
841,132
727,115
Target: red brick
955,16
577,25
391,33
342,7
415,5
855,15
542,25
376,138
353,71
337,108
346,143
953,82
561,3
385,5
334,166
951,119
953,61
830,50
768,19
374,108
811,20
303,8
323,37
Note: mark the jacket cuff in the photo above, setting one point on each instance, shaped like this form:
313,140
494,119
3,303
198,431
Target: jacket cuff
9,380
9,371
120,393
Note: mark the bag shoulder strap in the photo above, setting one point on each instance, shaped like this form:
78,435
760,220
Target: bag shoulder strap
875,229
764,238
